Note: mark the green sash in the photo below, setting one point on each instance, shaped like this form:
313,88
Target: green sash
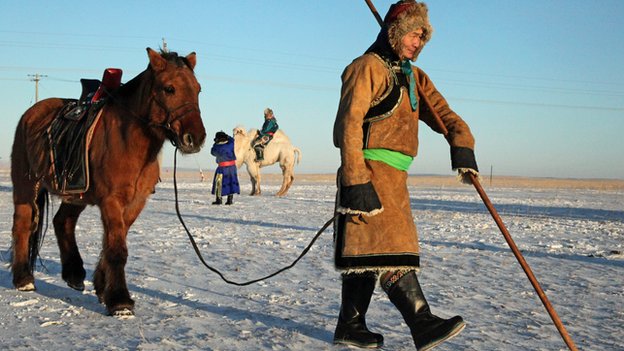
395,159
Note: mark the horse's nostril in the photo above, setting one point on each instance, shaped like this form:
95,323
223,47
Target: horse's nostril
187,139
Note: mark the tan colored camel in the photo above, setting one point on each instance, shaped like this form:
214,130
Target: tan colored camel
280,149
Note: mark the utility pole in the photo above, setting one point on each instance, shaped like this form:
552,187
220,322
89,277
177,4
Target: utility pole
36,78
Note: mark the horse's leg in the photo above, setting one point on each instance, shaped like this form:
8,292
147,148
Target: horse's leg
64,228
109,278
23,278
24,221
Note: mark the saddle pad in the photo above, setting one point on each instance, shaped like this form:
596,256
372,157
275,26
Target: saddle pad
69,140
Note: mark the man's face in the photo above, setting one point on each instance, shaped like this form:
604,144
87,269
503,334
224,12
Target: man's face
410,43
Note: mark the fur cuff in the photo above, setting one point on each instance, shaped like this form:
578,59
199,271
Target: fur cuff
359,199
463,157
462,175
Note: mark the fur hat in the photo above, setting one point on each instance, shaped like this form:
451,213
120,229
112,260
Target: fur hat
406,16
221,136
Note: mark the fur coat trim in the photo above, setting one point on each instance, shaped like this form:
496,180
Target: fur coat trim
379,270
349,211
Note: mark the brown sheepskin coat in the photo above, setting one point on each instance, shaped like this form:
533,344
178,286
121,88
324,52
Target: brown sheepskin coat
388,240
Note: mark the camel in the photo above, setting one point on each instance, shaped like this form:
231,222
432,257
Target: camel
280,149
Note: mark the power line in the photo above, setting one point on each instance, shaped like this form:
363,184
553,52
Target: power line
576,107
331,69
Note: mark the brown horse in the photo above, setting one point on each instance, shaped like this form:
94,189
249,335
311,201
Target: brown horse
160,103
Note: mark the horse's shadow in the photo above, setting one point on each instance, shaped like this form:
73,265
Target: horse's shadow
90,302
52,291
235,313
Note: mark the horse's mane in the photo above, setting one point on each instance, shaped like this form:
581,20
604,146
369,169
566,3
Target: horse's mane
172,56
133,84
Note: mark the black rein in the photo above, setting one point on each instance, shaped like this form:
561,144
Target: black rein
201,258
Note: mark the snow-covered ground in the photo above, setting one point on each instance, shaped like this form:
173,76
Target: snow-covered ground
572,239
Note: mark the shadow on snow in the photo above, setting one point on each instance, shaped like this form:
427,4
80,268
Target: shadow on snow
518,210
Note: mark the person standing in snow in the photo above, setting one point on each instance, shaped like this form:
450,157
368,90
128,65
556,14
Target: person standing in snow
225,182
382,99
269,127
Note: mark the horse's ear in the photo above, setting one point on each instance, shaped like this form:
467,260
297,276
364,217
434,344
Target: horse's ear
157,62
192,59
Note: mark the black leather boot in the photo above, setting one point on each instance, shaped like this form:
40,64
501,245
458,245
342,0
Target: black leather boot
230,200
259,153
357,290
217,201
427,329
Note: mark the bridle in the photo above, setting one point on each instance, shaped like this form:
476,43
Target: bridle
172,116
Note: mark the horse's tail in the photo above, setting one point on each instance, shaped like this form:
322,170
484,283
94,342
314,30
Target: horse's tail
36,236
297,153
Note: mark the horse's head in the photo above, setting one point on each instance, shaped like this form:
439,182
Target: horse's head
174,99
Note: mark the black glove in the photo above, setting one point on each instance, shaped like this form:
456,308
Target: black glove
463,160
359,199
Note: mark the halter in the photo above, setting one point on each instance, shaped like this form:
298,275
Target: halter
172,117
170,113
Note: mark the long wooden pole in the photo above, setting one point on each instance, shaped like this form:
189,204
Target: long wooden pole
499,222
525,266
375,13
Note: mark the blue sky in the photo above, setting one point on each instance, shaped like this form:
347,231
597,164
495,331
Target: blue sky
540,83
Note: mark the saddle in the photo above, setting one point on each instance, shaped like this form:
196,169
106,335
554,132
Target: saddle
70,133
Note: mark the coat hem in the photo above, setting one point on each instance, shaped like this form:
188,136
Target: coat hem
376,270
377,263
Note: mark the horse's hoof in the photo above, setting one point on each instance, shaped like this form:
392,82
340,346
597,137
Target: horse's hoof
27,287
124,313
76,285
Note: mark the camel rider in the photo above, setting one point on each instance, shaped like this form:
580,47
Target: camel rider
265,134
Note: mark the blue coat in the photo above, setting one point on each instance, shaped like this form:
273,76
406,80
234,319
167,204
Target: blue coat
224,152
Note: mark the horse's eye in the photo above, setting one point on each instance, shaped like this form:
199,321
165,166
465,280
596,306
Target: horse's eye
169,89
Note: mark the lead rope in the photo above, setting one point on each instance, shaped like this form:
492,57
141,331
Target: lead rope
201,258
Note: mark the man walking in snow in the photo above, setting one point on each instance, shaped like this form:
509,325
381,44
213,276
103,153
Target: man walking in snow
382,99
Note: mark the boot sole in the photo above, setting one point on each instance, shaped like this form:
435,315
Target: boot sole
357,344
453,332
